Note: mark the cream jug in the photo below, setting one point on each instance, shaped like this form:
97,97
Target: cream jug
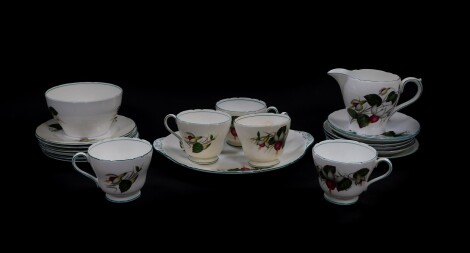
371,97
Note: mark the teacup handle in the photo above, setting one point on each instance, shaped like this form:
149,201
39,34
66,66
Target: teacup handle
384,175
272,108
165,121
81,171
417,95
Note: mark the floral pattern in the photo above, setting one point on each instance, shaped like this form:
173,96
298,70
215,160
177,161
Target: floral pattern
334,180
233,132
275,140
124,181
374,107
198,143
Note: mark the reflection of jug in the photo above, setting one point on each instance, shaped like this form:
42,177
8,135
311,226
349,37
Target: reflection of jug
371,97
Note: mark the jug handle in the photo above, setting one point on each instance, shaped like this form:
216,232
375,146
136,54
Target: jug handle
417,95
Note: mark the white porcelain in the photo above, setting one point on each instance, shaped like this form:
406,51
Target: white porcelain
344,167
378,146
371,97
51,132
232,159
201,133
263,137
66,153
404,127
237,107
120,166
84,109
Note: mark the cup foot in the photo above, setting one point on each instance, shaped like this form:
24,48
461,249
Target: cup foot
203,161
121,199
340,201
234,144
263,164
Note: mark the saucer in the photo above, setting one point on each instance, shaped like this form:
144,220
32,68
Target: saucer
50,132
66,153
399,123
232,159
400,153
330,133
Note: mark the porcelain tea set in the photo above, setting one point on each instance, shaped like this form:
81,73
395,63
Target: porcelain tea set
241,136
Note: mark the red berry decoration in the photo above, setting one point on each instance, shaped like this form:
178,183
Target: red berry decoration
233,132
331,184
373,118
278,145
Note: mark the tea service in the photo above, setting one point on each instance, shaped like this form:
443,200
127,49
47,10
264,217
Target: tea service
241,136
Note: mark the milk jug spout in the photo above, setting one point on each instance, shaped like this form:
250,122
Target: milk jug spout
341,76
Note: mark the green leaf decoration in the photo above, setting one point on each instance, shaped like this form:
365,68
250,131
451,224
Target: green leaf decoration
259,137
53,111
392,97
362,120
344,184
137,168
390,134
271,141
125,185
329,168
212,137
373,99
197,147
361,173
281,131
55,127
352,113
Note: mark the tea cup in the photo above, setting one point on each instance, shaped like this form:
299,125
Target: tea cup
344,168
240,106
120,166
201,133
263,137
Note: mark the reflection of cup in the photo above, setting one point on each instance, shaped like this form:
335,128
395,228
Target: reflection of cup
344,168
84,109
371,97
201,133
120,166
238,107
263,137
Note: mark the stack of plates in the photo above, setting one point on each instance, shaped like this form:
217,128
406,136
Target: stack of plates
55,144
401,143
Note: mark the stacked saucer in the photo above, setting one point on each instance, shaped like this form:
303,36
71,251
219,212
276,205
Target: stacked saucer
399,138
55,144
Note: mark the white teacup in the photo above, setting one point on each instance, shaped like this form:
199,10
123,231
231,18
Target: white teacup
344,168
84,109
201,133
237,107
263,137
120,166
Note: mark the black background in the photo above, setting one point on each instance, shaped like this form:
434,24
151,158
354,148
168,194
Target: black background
169,72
